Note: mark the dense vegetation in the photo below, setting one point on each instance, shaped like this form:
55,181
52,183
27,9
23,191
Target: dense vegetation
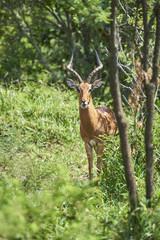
45,192
44,188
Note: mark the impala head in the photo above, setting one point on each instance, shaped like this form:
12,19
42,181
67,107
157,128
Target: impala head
84,88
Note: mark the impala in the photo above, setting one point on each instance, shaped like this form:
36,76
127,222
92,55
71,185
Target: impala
94,122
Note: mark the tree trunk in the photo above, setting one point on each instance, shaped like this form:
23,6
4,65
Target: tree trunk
122,123
150,94
146,36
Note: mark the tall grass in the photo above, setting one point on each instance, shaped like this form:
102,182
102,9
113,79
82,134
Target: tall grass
44,189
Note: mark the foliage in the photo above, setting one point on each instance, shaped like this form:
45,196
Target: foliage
41,34
44,188
43,183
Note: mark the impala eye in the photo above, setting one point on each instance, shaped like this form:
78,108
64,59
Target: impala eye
90,89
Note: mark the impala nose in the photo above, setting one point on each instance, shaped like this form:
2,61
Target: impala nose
84,104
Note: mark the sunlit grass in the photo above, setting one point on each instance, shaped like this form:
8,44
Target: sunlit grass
44,187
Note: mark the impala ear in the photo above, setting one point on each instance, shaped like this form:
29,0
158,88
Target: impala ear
71,83
97,83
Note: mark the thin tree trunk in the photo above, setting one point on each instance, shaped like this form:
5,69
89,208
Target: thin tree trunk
146,36
147,28
122,123
150,94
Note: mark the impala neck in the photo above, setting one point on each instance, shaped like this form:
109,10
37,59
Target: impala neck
88,117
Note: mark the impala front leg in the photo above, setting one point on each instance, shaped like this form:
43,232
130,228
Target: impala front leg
89,152
99,151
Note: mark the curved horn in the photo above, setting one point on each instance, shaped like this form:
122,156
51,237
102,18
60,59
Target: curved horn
69,68
96,69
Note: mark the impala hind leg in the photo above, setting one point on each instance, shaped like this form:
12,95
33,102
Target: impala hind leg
99,151
89,152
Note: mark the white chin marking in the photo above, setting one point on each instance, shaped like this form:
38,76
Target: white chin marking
84,106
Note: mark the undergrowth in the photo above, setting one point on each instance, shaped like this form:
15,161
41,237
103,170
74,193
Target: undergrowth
44,187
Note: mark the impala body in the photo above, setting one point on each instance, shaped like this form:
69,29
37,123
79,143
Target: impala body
94,122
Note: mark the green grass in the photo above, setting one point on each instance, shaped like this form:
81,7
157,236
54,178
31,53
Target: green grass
44,189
